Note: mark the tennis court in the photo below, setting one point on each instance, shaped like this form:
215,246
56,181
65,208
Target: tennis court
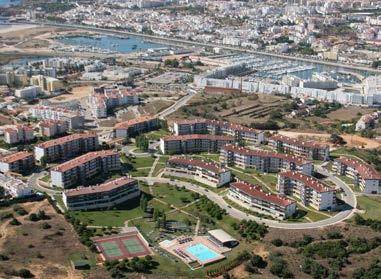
122,246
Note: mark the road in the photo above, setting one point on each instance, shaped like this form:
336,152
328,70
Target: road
179,103
32,182
339,217
211,45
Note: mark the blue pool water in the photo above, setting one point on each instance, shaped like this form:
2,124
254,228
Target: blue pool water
202,253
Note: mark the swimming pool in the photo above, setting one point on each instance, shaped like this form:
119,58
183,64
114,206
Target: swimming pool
202,253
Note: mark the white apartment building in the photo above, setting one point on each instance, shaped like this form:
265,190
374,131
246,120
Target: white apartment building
255,199
263,161
74,119
18,134
193,143
136,126
30,92
19,162
106,195
201,171
80,169
363,174
104,99
308,189
66,147
216,127
305,148
52,128
15,187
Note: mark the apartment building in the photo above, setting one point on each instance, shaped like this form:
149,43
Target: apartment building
104,99
136,126
20,162
363,174
48,84
18,134
263,161
52,128
308,149
15,187
81,169
66,147
311,191
193,143
216,127
255,199
74,119
106,195
30,92
207,173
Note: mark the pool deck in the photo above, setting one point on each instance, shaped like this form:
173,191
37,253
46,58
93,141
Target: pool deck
178,247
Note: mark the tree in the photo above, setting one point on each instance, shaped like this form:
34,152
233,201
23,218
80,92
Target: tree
43,161
336,139
143,202
142,142
2,192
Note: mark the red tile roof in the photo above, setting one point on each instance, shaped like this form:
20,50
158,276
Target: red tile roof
260,153
307,180
66,139
199,136
50,123
132,122
83,159
257,192
16,157
102,188
366,171
198,163
297,142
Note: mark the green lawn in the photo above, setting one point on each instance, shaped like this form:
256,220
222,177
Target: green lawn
45,178
371,205
117,217
59,200
210,156
172,195
156,135
142,162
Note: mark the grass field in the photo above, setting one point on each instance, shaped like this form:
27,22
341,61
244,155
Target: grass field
371,205
116,217
172,195
156,135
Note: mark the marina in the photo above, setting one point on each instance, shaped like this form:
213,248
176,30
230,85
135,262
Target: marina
106,43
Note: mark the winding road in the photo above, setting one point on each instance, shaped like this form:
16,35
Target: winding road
349,198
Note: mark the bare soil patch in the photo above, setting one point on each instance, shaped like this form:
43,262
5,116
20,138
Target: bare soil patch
45,252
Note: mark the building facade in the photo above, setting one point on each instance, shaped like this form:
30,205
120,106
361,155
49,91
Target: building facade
136,126
52,128
74,119
15,187
201,171
307,149
364,175
216,127
18,134
255,199
263,161
30,92
193,143
20,162
66,147
104,99
79,170
106,195
308,189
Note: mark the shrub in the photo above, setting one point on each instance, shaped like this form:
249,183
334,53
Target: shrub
3,257
33,217
314,269
24,273
334,235
45,226
277,242
14,222
20,210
